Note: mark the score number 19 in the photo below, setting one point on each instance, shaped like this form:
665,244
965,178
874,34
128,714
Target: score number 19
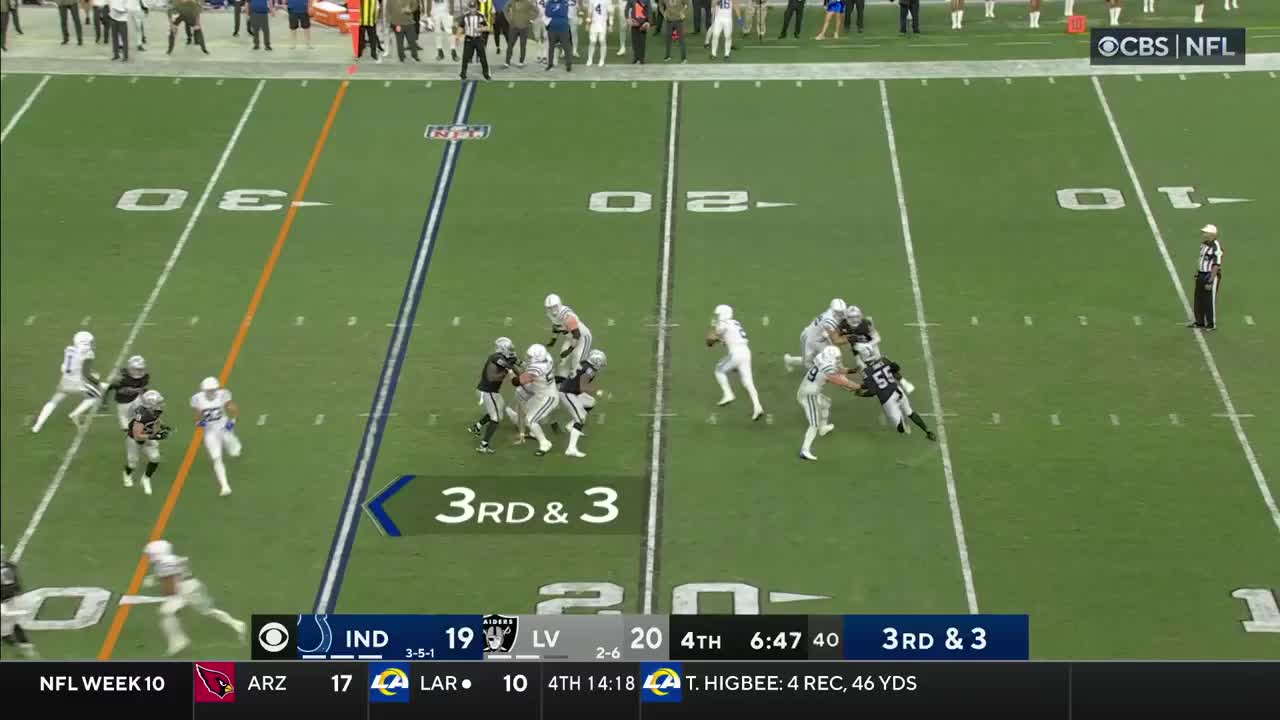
460,638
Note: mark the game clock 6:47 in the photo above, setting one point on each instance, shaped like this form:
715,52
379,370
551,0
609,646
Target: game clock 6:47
782,641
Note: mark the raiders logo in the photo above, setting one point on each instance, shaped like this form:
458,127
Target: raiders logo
500,633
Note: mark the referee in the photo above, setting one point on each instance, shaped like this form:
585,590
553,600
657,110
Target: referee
1208,278
474,29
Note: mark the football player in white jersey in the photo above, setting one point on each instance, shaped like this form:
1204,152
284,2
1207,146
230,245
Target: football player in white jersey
442,22
577,342
817,406
824,330
77,378
536,389
724,329
578,397
213,410
600,19
173,574
722,25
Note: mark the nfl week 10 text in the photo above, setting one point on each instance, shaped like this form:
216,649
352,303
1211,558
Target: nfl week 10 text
626,690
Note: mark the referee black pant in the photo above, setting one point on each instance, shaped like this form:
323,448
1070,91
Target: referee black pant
912,8
860,6
1206,305
474,47
368,39
637,46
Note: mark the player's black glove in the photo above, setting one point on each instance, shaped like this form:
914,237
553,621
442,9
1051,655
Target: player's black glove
161,432
864,393
565,353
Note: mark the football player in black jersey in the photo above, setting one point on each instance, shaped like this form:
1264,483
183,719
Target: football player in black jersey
145,432
497,368
884,381
11,614
861,335
126,386
577,393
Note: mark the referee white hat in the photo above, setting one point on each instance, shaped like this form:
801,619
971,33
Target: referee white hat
1211,229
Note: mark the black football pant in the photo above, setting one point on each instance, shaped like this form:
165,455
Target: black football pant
63,12
564,40
120,38
794,8
102,25
473,47
260,24
411,31
859,5
912,8
701,15
638,37
239,8
512,36
369,39
500,30
1206,305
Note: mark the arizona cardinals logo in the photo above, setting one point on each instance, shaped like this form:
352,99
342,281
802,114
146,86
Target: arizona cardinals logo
215,681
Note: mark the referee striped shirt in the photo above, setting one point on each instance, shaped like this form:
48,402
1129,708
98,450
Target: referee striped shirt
473,24
1210,256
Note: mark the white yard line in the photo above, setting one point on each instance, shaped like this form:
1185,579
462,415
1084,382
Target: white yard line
962,545
1258,477
139,322
660,373
23,108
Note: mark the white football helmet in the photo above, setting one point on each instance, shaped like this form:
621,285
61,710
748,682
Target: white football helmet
537,351
136,366
837,306
84,338
152,399
597,359
723,313
504,346
552,302
830,354
158,548
209,384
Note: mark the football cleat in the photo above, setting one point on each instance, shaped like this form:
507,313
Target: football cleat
805,455
484,449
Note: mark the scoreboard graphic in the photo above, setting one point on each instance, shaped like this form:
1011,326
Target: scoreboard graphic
634,667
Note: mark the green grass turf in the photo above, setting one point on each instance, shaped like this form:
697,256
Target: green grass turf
1120,541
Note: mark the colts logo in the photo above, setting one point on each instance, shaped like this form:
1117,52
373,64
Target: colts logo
457,132
215,682
500,633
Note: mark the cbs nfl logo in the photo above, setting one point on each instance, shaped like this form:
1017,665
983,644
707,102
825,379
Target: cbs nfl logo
1146,46
457,132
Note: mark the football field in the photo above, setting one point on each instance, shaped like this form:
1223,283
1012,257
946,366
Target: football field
1025,245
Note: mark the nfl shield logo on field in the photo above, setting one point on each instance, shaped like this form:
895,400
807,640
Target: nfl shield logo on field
457,132
500,633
